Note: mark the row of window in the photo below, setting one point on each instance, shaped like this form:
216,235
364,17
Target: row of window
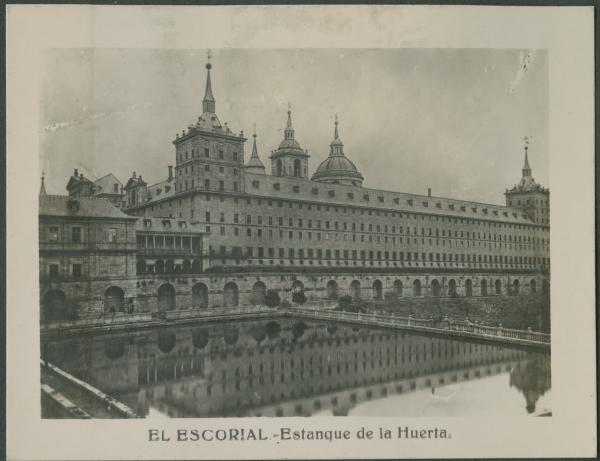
110,234
195,153
347,210
187,185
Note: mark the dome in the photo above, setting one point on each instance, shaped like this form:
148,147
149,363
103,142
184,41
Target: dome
337,168
289,144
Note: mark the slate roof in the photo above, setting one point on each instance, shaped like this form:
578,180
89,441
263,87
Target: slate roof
81,207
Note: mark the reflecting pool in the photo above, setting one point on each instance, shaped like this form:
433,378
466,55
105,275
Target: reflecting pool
299,368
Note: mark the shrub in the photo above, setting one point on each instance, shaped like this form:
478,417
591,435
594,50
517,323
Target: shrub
299,297
272,298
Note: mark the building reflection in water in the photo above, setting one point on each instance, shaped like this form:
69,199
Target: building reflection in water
282,368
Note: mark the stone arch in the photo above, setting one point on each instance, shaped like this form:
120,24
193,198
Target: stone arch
259,291
166,297
166,341
483,288
186,266
377,289
199,295
516,286
398,288
159,266
498,284
332,288
231,295
355,289
436,289
54,306
468,287
170,266
452,287
114,300
532,286
417,291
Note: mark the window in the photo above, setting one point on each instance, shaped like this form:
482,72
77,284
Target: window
76,234
221,154
53,270
116,188
206,154
111,235
76,270
53,234
221,185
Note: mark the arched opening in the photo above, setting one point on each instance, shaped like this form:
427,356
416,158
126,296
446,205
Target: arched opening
200,338
297,286
159,266
231,295
332,288
196,266
141,267
468,287
114,348
498,287
260,293
417,288
483,287
532,286
377,289
297,168
166,297
114,300
199,295
435,288
279,167
54,306
516,287
186,267
231,335
398,288
170,266
452,287
355,289
166,341
298,295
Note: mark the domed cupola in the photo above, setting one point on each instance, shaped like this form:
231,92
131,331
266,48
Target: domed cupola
337,168
289,159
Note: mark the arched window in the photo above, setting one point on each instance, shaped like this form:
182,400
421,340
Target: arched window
435,288
159,266
297,168
114,300
332,289
498,287
231,296
417,288
166,341
355,289
452,288
166,297
196,266
279,167
54,306
468,288
516,287
532,287
186,267
398,288
377,289
170,266
483,287
199,295
260,293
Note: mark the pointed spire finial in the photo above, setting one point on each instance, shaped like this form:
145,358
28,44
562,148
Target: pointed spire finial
336,136
526,171
289,130
208,103
43,187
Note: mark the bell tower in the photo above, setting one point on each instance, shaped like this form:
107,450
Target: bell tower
289,159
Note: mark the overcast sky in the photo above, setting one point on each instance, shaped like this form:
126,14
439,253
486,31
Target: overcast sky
452,120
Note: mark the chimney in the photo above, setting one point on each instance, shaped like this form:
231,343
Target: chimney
170,173
429,192
76,173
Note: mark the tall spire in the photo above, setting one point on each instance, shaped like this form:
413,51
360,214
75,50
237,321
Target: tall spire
208,103
254,165
254,150
43,187
289,130
336,148
526,171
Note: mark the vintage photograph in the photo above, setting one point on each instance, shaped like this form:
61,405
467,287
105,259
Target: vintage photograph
294,232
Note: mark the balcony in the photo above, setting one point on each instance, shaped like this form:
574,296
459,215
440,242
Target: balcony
172,252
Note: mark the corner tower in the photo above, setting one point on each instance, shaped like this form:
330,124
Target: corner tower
289,159
208,155
529,196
